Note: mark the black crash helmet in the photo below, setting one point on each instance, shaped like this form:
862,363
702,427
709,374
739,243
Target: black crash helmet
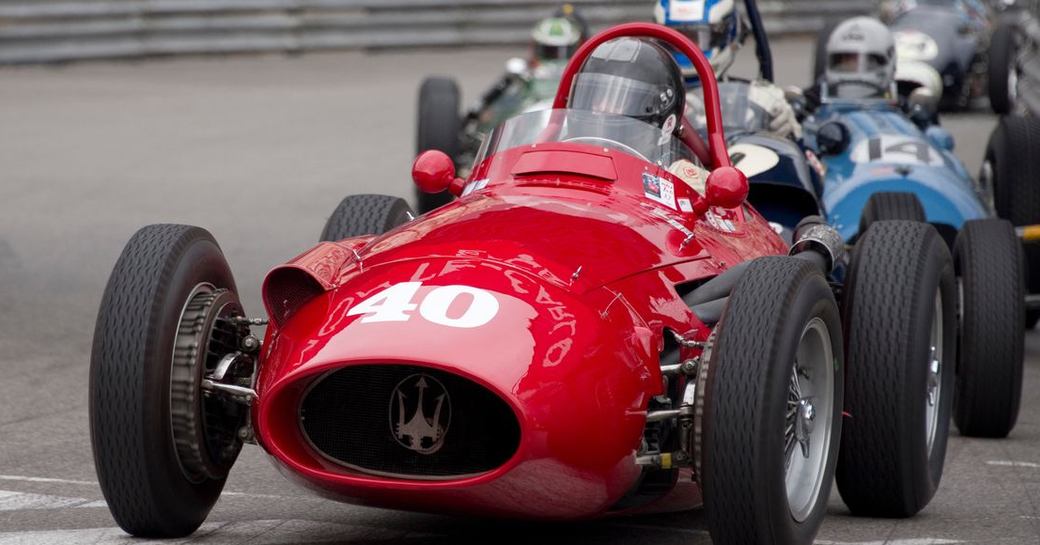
632,77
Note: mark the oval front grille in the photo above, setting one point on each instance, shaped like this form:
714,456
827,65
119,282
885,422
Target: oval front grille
409,421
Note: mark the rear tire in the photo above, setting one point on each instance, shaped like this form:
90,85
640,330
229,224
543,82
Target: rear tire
360,215
1003,75
1011,171
887,206
899,401
989,375
155,486
780,317
440,128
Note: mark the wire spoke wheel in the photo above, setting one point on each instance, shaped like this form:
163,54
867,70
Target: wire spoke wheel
807,430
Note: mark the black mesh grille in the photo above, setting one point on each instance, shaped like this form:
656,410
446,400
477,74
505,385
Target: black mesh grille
354,416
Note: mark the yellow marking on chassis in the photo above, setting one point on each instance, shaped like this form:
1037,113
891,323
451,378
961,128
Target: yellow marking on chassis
1029,233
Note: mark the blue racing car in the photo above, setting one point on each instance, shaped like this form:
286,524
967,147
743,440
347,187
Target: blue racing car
882,157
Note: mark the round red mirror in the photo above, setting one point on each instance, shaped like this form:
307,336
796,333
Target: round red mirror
433,171
726,187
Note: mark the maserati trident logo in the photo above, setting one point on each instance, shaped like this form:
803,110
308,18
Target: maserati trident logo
420,413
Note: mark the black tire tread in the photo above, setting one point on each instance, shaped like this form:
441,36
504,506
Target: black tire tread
439,128
891,205
1012,151
1001,57
751,334
360,215
989,378
125,335
879,471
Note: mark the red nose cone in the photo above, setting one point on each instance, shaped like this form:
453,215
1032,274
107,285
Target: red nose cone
727,187
433,171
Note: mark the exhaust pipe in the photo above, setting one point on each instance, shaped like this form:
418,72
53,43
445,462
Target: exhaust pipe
818,243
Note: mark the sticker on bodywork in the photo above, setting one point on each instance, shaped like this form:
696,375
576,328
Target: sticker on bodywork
659,190
687,11
395,304
720,223
900,150
675,224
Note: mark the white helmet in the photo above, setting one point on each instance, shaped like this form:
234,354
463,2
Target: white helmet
715,26
861,59
912,74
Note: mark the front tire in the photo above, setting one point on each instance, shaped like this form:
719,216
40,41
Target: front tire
360,215
440,128
773,398
160,457
900,317
891,205
1003,74
989,375
1011,172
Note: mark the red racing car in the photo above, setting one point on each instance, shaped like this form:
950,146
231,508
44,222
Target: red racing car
596,326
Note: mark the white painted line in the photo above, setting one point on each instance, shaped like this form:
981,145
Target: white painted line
18,501
97,536
1009,463
44,480
266,532
912,541
21,478
91,504
271,496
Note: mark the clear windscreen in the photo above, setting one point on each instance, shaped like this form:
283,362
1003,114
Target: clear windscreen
739,113
615,132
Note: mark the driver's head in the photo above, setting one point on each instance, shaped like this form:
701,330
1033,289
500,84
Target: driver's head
714,26
634,78
861,59
556,38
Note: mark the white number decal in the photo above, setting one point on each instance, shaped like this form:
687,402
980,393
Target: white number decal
394,304
482,308
898,150
389,305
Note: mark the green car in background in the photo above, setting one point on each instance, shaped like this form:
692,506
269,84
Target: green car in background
527,85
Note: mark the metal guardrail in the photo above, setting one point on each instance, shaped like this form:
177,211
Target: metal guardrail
45,31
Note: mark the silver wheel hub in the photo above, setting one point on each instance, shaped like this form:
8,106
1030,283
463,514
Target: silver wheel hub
986,185
934,389
809,419
934,368
804,425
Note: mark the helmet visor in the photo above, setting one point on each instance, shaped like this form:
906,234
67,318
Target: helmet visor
548,52
610,94
844,63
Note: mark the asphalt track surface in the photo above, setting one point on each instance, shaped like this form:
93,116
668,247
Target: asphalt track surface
259,150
